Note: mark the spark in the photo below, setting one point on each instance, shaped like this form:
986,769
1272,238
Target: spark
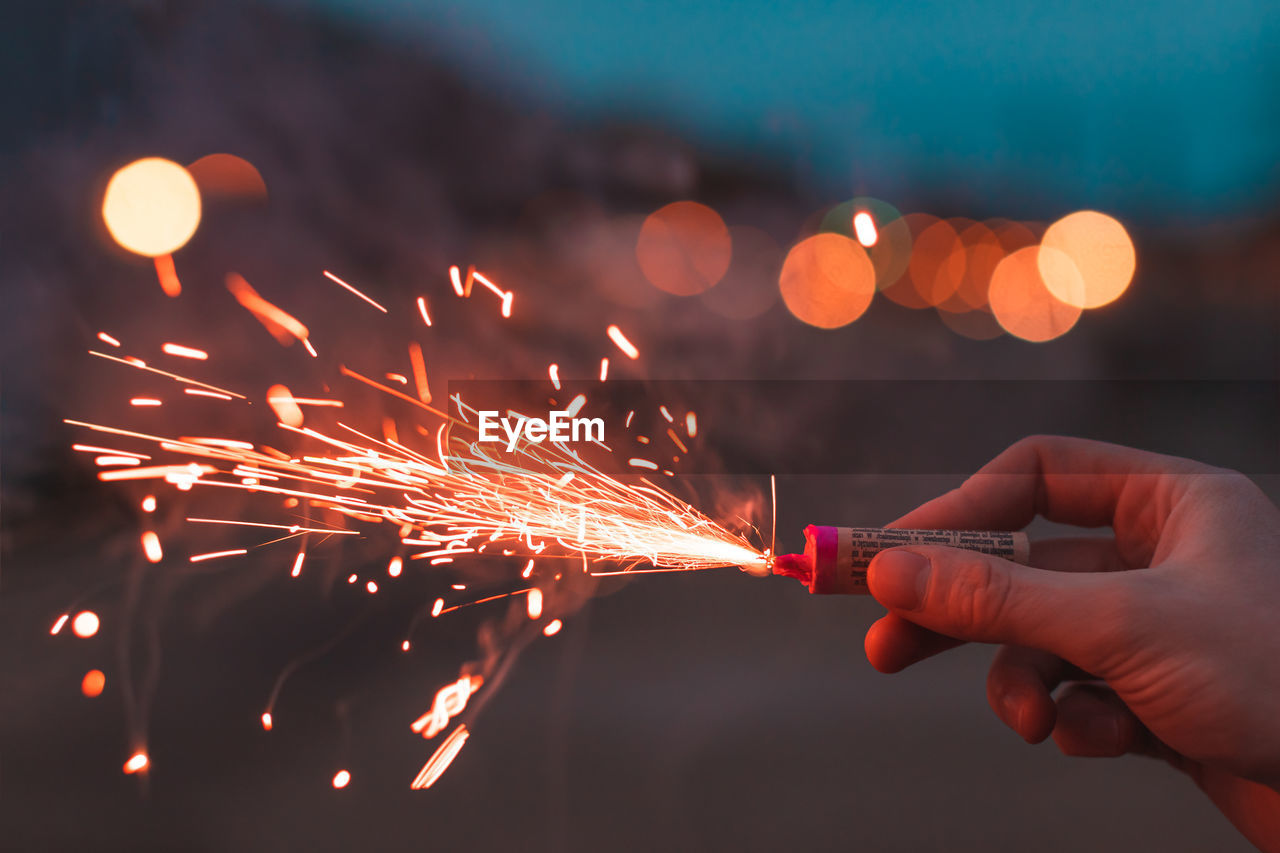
137,763
441,759
455,278
282,325
297,564
213,555
107,339
372,586
553,627
666,414
198,392
145,401
339,281
422,309
419,373
864,228
85,624
437,607
266,721
57,625
642,463
553,370
103,461
167,274
142,365
93,683
628,348
185,352
534,603
90,448
395,566
151,547
575,405
341,779
149,503
604,369
675,439
528,570
691,425
450,701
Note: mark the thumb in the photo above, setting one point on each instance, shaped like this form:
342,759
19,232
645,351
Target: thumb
984,599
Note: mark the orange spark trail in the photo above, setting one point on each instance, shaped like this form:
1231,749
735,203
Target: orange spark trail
441,759
185,352
337,280
615,335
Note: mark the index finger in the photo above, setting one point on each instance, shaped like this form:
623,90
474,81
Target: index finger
1071,480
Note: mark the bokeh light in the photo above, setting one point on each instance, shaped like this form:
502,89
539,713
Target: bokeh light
864,229
684,248
1022,303
1091,259
982,253
93,683
937,264
827,280
891,248
151,206
228,175
85,624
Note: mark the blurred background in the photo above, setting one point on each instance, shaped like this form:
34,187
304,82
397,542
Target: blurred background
899,200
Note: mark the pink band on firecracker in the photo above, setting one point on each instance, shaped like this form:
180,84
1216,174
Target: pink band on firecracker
820,544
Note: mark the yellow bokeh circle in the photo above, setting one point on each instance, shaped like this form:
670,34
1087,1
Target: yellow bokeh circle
152,206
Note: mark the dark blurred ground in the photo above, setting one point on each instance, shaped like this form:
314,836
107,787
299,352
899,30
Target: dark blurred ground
709,711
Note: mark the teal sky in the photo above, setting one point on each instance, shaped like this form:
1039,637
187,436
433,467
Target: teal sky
1137,106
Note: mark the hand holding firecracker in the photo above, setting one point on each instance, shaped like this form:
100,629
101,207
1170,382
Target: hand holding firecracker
1165,635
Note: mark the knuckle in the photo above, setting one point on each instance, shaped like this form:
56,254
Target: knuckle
976,595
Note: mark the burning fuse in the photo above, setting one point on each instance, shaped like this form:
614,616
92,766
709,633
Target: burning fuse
835,559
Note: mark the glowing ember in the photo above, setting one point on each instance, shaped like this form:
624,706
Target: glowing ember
151,545
93,683
864,228
341,779
137,763
441,759
57,625
152,206
185,352
628,348
85,624
553,627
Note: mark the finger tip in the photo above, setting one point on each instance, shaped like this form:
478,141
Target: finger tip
879,649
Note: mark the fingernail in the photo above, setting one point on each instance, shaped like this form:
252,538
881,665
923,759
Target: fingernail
1104,731
899,579
1010,711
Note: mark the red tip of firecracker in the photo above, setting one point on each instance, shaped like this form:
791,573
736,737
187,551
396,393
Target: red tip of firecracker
796,566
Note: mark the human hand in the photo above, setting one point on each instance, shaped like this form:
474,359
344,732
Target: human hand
1167,634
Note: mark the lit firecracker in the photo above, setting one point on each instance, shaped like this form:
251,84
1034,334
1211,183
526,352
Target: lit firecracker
446,494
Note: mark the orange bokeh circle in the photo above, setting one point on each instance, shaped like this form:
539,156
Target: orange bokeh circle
684,248
1023,305
827,280
1091,249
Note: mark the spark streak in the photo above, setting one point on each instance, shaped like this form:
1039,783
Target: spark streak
339,281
